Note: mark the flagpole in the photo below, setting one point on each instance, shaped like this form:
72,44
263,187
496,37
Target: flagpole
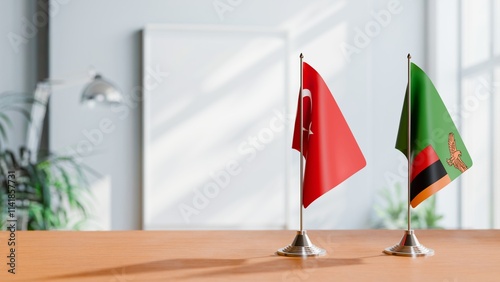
409,246
301,143
301,245
409,140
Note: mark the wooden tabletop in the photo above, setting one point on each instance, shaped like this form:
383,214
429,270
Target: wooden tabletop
461,255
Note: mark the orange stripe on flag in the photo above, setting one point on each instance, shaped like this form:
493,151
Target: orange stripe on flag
430,190
422,160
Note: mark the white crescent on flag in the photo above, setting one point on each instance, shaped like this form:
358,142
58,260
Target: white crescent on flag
307,93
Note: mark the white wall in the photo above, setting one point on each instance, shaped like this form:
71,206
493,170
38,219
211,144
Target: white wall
18,53
369,87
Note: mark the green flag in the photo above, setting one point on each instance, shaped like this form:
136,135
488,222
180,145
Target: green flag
438,154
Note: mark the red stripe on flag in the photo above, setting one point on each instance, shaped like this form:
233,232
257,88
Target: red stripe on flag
422,160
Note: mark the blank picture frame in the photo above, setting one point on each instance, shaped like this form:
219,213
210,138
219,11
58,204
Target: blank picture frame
216,131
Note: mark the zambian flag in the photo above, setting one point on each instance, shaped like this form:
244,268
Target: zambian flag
438,154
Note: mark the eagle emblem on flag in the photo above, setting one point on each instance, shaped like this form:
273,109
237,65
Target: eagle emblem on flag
455,155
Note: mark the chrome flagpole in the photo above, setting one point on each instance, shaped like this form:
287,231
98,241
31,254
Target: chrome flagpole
301,207
409,246
301,245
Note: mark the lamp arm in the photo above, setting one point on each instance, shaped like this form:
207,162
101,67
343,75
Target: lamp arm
98,87
38,111
76,80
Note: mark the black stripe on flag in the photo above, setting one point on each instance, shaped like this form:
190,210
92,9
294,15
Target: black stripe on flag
427,177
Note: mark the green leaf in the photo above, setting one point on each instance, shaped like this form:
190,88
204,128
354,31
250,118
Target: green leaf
392,212
57,186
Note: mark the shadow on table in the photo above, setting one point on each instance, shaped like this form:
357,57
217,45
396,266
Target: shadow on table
154,266
289,266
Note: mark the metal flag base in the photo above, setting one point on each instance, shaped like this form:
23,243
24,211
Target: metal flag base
409,247
301,247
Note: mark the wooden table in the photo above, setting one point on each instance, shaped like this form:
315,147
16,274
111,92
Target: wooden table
461,255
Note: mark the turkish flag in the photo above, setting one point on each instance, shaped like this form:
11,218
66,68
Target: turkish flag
332,154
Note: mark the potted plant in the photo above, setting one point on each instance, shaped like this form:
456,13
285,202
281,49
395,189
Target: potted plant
392,214
49,193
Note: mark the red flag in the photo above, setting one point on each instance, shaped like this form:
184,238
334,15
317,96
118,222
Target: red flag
331,152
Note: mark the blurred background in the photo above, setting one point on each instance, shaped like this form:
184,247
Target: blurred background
201,138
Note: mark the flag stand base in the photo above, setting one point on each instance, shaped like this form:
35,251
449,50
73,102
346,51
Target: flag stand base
409,247
301,247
